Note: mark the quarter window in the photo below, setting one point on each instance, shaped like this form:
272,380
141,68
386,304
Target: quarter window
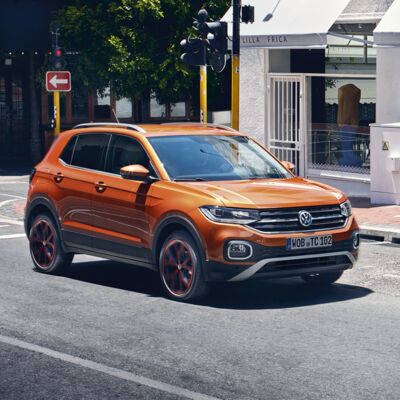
90,151
125,151
66,155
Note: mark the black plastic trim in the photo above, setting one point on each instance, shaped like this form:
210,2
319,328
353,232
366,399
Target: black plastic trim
186,223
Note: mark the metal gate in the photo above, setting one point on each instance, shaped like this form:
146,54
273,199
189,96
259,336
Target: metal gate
286,118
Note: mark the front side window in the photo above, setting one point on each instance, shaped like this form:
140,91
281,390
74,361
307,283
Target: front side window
90,151
125,151
211,158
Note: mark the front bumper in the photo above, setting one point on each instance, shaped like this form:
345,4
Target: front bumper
277,262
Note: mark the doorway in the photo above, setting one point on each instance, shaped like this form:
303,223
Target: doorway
13,133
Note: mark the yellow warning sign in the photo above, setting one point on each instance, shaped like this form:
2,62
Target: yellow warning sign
385,145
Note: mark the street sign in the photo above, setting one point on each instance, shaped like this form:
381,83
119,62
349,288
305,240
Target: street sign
58,81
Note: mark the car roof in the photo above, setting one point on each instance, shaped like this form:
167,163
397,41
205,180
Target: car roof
168,129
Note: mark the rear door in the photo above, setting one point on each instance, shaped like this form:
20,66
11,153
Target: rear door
74,179
120,206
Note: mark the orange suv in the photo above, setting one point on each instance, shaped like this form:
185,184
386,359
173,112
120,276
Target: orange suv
195,203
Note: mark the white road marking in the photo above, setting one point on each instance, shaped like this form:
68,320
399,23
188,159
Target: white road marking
118,373
375,243
13,195
4,226
5,202
14,182
13,236
391,276
11,221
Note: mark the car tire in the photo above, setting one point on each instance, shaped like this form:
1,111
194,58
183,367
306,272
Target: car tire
180,266
45,247
324,279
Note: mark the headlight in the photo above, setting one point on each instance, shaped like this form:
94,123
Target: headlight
345,208
230,215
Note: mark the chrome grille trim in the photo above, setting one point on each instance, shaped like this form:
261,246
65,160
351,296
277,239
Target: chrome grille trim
246,274
286,221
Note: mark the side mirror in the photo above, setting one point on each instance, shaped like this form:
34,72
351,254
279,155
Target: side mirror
135,172
290,166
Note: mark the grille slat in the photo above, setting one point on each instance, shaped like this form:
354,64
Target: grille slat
286,220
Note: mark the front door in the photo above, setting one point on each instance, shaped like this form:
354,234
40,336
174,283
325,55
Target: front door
12,112
120,206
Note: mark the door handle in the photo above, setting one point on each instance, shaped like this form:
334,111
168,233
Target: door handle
100,186
59,177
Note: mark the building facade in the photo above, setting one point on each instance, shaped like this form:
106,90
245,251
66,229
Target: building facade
313,80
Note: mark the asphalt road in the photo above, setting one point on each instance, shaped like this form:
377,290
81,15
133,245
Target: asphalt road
104,331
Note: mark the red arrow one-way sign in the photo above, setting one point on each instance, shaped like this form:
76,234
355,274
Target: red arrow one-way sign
58,81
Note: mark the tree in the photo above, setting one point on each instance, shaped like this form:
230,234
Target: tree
134,44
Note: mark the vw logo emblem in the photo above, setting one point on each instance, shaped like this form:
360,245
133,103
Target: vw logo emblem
305,218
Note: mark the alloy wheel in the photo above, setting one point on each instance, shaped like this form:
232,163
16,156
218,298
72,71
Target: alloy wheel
178,267
43,244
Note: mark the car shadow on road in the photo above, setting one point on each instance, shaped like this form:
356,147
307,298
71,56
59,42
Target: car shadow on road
271,294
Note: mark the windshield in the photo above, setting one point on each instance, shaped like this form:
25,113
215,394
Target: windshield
212,158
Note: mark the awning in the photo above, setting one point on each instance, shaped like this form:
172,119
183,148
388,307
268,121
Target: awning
301,24
387,33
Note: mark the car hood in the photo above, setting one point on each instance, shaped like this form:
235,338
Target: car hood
270,193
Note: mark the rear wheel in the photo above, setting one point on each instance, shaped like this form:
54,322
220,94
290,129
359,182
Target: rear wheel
180,265
45,246
326,278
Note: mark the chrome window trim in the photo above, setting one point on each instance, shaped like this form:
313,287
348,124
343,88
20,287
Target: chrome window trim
108,146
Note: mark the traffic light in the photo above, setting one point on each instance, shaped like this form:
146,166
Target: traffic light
57,58
194,51
219,41
248,14
212,35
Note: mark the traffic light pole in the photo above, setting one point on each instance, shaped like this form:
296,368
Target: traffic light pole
236,5
57,114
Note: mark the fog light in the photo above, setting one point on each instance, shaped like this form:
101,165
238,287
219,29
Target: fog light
356,240
239,250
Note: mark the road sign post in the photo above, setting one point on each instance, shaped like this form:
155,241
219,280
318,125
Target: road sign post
56,82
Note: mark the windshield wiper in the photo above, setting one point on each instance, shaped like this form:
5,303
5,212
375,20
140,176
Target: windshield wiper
189,180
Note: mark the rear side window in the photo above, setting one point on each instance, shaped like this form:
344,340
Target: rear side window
125,151
66,155
90,151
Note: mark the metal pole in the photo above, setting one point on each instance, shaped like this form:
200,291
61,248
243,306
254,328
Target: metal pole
203,86
203,94
236,5
57,113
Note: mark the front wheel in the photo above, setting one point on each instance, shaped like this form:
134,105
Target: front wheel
323,279
180,265
45,247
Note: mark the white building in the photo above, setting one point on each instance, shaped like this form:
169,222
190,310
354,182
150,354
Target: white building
313,79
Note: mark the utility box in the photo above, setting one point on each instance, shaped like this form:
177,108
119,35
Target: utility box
385,163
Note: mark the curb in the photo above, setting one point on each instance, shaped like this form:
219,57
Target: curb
380,233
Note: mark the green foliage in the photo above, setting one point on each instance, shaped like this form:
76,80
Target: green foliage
134,44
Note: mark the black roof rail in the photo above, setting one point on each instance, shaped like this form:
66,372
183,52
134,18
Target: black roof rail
114,124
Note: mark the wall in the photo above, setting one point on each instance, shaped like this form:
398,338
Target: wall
388,85
255,64
252,92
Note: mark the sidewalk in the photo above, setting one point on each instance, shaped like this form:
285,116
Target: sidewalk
379,222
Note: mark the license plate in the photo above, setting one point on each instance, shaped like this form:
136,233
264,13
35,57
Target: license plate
309,242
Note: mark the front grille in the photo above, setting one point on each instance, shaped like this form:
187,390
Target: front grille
287,219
